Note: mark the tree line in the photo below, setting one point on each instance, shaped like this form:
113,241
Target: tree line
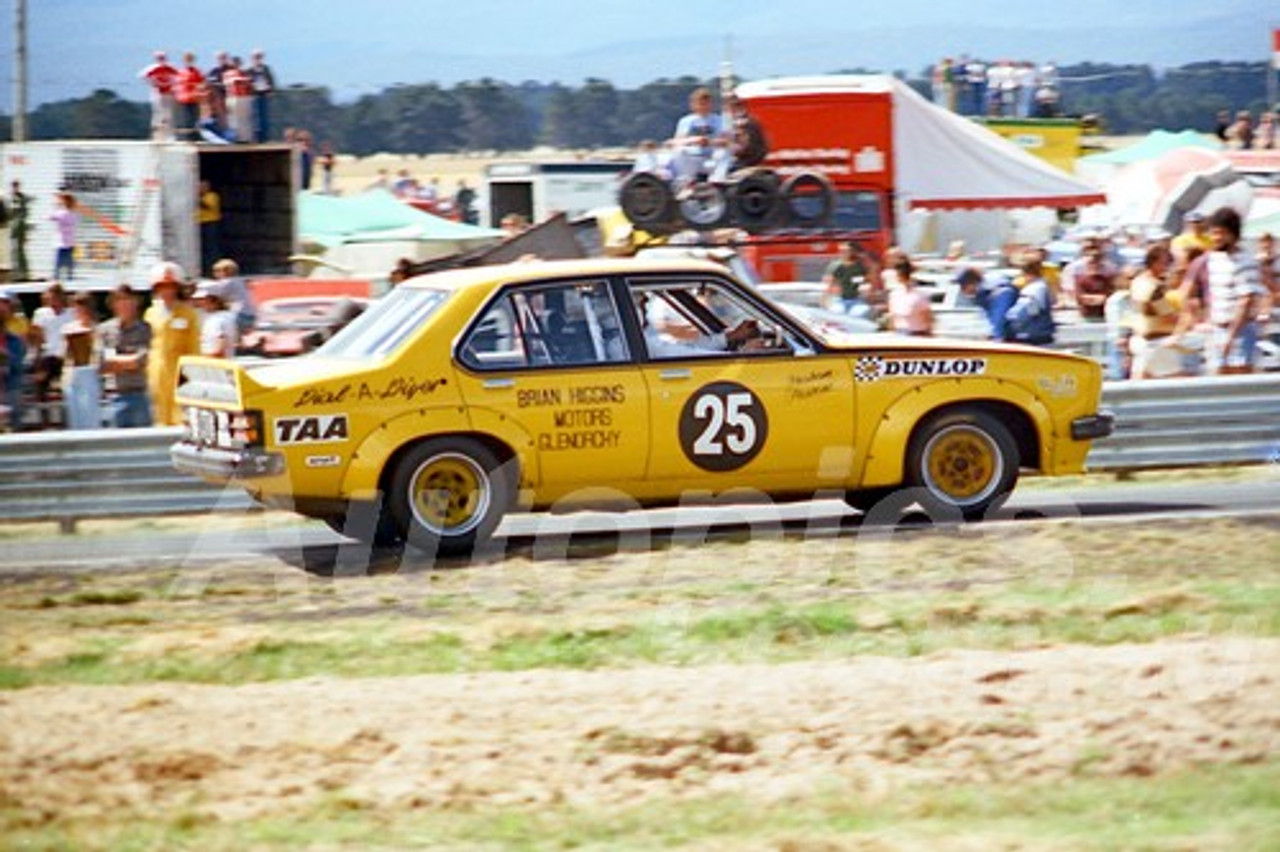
490,115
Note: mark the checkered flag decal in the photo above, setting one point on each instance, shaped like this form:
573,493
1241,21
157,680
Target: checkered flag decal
869,368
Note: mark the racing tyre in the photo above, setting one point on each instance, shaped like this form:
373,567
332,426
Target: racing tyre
647,202
965,461
449,494
755,202
703,206
810,200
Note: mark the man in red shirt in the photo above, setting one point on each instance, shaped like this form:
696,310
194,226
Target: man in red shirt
1089,280
189,91
160,76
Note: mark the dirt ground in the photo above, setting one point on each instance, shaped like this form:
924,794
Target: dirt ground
614,736
353,175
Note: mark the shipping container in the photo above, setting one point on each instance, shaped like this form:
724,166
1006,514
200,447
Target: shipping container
536,191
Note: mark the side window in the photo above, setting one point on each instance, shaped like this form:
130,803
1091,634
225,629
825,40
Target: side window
570,324
495,342
699,319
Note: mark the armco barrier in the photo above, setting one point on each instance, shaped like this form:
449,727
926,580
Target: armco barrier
71,476
1173,423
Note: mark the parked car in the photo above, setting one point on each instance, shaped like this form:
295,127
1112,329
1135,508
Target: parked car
467,394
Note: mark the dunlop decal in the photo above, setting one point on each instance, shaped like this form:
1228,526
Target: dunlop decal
873,368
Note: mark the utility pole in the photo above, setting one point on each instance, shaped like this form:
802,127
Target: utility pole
19,71
1273,68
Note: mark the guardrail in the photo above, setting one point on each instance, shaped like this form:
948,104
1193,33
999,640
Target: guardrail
71,476
1172,423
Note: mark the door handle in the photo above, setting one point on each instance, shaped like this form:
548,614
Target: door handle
498,384
674,374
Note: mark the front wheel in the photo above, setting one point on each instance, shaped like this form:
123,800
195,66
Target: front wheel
965,461
449,494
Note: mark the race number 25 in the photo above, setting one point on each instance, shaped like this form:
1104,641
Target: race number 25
723,426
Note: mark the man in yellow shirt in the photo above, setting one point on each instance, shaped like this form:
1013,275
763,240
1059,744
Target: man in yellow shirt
175,331
209,215
1194,239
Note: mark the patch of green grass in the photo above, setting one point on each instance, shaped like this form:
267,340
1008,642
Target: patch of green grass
903,624
1233,808
998,587
14,677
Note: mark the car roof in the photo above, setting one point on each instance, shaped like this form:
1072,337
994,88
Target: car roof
536,270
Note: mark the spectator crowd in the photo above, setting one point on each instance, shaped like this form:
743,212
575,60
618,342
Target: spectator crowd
1192,304
122,371
1006,88
228,103
1239,132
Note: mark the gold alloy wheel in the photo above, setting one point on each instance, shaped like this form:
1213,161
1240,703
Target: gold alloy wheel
962,464
450,494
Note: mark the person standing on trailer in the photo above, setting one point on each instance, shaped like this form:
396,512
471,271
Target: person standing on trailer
161,77
240,101
209,217
264,85
189,91
66,220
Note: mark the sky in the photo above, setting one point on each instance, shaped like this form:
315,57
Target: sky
354,47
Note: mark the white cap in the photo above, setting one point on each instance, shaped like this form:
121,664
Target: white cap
167,272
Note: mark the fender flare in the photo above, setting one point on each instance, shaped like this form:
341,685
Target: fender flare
888,439
363,475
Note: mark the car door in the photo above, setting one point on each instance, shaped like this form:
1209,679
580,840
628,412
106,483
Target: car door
552,358
770,413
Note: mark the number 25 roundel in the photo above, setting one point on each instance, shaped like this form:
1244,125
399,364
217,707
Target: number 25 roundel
723,426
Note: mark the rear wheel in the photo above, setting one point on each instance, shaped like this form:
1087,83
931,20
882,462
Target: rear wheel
964,461
449,494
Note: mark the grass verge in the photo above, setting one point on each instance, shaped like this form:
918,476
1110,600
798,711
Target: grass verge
780,601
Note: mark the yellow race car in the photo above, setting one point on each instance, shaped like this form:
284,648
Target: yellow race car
466,394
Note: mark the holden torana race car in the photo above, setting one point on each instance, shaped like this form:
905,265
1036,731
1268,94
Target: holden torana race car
466,394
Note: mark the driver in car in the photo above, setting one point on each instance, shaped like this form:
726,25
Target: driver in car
743,337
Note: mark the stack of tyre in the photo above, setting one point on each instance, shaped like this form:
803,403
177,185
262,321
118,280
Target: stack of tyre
756,201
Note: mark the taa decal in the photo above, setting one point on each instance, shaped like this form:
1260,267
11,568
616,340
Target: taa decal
319,429
723,426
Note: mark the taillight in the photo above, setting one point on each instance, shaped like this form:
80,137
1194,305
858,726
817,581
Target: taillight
246,429
233,430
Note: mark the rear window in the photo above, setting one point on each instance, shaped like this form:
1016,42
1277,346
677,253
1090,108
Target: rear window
385,325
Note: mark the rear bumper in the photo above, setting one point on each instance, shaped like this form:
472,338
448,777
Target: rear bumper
1094,426
214,463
